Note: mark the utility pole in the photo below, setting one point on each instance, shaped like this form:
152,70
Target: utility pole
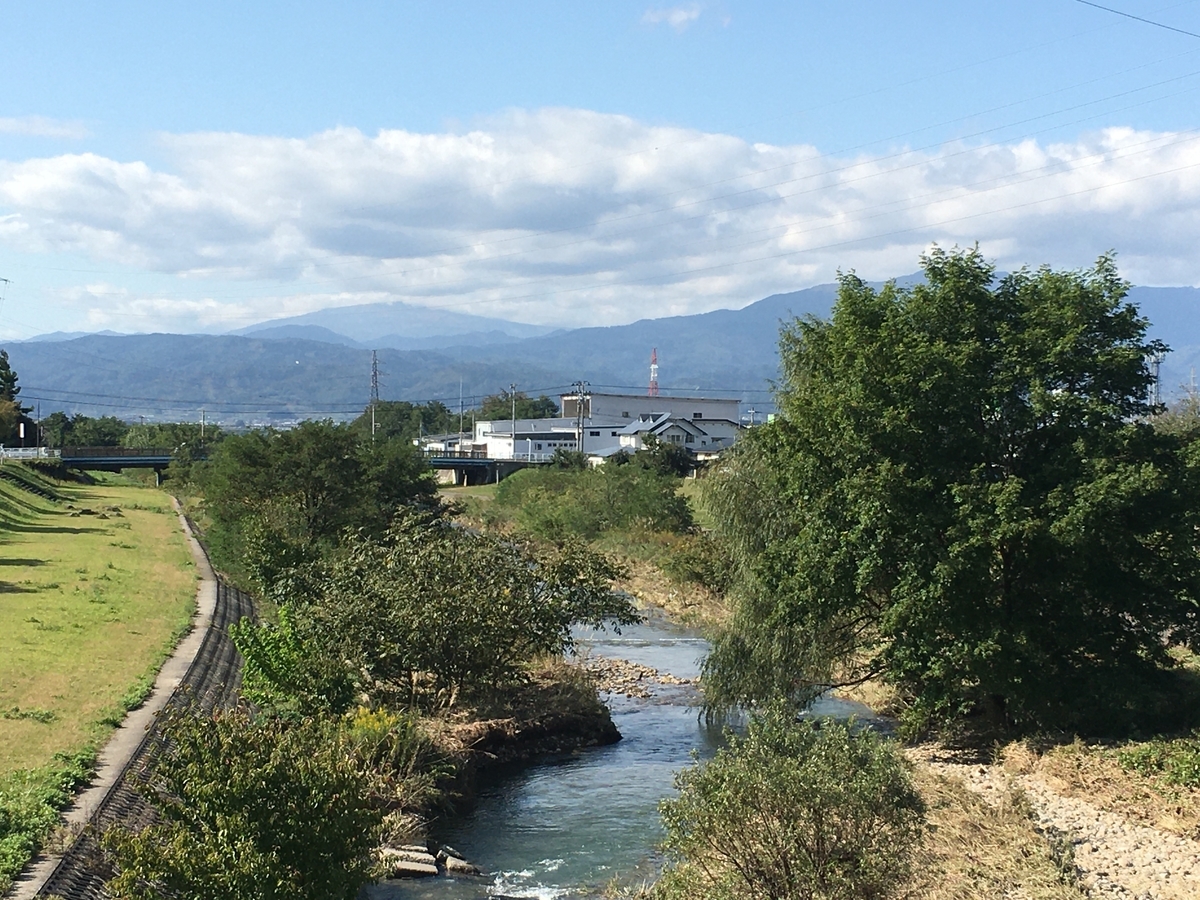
374,389
581,397
460,413
512,394
751,411
202,423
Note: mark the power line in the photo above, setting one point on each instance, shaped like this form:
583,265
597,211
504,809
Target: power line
1139,18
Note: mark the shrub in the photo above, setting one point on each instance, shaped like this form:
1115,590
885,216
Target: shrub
793,811
426,612
1177,761
249,809
554,503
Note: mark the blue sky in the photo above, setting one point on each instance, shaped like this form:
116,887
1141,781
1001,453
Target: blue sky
202,167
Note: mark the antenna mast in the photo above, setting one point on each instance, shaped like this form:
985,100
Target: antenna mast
653,389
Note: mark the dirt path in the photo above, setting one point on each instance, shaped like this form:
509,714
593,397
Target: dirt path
125,740
1116,857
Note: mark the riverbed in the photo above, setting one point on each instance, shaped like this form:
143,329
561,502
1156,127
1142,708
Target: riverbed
568,826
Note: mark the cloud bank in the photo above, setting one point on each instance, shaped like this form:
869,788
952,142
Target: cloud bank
571,217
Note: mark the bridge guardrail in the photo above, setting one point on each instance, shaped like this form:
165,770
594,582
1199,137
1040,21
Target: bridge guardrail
28,453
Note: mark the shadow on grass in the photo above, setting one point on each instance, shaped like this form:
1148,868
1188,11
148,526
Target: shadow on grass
7,587
22,562
54,529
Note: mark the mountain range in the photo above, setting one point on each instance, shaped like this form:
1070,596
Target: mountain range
319,364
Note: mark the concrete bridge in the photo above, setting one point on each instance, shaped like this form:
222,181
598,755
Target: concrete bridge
476,467
98,459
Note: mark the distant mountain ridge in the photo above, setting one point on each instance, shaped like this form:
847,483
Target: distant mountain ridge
298,369
401,326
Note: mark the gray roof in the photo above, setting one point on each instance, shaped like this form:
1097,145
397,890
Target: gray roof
659,423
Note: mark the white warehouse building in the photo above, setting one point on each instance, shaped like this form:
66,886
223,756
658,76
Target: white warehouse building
614,422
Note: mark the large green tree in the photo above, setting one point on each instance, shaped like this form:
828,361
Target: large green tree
405,420
962,495
501,405
275,498
421,615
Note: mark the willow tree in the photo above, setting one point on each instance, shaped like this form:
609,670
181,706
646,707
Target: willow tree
962,496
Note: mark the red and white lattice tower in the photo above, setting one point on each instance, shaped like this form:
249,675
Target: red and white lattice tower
653,391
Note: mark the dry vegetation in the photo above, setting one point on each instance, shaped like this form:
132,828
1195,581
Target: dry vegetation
976,850
687,603
1093,773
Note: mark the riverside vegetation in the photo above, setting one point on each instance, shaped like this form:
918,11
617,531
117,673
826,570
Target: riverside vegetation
391,644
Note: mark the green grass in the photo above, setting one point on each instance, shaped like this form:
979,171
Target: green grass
89,609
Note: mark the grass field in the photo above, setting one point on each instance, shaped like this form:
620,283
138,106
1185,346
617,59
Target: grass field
91,603
88,606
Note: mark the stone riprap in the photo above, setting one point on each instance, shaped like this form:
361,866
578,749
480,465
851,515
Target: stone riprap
1115,858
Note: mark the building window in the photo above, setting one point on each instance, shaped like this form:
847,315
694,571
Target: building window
697,415
689,439
594,433
539,446
614,434
624,415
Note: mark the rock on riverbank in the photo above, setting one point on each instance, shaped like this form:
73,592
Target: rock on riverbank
630,679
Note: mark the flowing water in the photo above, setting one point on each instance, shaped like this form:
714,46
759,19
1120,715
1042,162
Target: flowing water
567,827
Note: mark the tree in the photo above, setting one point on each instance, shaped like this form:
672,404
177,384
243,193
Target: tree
249,807
665,457
962,496
9,388
12,413
500,406
793,811
277,497
407,421
425,613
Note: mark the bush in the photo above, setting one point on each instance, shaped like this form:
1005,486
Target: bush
700,559
793,811
1177,761
424,613
554,503
250,809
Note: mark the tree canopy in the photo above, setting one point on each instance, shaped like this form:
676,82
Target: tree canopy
406,421
962,495
276,497
500,406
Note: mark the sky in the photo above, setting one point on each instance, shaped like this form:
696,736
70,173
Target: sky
203,167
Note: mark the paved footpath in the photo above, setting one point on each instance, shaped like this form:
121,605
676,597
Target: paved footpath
1116,858
125,740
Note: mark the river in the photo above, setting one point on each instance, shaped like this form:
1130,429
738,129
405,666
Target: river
567,827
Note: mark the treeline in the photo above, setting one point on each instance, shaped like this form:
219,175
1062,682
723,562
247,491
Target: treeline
409,421
378,613
393,419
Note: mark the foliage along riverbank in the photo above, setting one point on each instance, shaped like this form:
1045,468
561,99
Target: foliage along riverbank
397,657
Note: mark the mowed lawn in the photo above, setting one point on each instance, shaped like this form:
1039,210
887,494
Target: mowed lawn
89,607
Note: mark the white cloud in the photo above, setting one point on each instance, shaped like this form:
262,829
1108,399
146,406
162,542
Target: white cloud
678,17
573,217
40,126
